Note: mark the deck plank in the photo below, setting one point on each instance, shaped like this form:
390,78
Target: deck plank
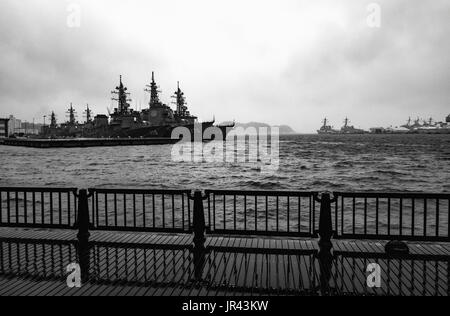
33,262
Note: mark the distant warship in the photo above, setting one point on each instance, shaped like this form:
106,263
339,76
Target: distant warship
327,129
158,120
419,126
350,129
346,129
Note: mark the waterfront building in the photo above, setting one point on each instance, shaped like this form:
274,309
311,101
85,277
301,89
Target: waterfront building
4,130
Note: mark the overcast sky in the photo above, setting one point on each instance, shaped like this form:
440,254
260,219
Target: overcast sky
280,61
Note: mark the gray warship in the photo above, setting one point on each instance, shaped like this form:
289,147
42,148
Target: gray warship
158,120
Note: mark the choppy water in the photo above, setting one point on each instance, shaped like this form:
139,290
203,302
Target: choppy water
419,163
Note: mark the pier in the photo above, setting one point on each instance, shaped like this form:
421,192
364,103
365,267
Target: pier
88,142
222,242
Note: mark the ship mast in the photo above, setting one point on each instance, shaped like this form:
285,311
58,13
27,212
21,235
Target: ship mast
180,102
122,98
53,120
153,90
88,113
72,113
325,121
346,121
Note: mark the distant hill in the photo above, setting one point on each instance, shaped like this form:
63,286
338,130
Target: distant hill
284,129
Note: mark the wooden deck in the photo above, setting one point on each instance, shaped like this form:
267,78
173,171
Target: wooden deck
34,262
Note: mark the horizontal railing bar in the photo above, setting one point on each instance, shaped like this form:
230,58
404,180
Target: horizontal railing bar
37,189
408,195
261,193
138,191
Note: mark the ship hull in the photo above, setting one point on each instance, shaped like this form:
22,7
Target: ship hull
111,131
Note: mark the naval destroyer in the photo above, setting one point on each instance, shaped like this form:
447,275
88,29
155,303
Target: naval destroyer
158,120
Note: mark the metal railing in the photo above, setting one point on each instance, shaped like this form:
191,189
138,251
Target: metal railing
38,207
382,216
402,216
271,213
141,210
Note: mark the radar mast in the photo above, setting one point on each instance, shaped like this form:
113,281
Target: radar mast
88,114
180,102
72,115
122,98
152,88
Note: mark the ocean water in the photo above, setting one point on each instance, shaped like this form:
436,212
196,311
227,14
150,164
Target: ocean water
389,163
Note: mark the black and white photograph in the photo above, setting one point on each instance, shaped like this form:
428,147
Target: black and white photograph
225,156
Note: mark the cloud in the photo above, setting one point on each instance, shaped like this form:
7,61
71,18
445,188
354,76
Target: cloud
283,63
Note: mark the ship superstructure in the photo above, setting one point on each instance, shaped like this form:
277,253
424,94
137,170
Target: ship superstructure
418,126
158,120
346,129
327,129
350,129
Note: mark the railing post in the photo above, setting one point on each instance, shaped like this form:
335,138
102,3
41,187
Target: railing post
83,223
325,221
199,228
83,217
199,221
325,256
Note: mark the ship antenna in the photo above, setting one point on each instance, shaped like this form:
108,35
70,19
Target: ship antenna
122,97
152,88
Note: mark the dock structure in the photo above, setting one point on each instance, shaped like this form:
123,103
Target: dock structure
88,142
222,242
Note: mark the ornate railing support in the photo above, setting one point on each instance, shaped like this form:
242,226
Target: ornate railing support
83,222
325,256
199,228
83,225
325,221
